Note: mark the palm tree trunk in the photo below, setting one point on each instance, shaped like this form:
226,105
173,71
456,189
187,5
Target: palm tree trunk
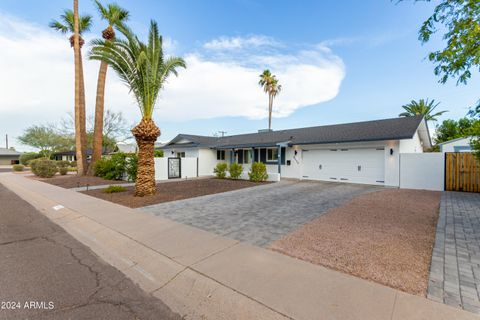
83,117
78,92
99,110
145,133
270,103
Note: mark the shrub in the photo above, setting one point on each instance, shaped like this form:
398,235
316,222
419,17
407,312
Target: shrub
158,153
235,170
28,156
73,163
63,164
43,167
114,189
220,170
105,168
258,172
114,167
63,170
18,167
131,167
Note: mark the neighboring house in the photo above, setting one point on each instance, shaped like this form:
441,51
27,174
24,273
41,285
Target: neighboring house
456,145
70,155
9,156
361,152
127,147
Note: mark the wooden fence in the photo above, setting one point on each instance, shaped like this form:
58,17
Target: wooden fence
462,172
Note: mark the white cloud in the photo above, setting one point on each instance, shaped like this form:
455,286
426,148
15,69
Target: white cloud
37,79
229,43
209,89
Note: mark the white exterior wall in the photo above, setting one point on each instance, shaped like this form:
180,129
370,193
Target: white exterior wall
413,145
189,153
207,160
422,171
450,146
392,163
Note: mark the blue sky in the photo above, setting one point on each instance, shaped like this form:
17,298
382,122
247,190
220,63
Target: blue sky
366,53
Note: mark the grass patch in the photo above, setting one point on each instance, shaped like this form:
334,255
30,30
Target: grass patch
114,189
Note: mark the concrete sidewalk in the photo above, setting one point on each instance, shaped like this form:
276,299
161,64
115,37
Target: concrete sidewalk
206,276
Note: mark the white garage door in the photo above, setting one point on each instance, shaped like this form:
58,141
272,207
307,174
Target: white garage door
345,165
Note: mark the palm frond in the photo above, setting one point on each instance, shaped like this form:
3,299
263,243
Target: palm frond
66,22
140,66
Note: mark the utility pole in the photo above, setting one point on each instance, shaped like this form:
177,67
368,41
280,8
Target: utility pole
222,133
6,140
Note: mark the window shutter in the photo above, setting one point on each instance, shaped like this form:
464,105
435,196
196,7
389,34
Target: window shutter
283,155
255,155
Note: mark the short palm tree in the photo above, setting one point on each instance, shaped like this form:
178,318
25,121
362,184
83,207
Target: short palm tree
115,16
144,69
270,85
422,107
71,22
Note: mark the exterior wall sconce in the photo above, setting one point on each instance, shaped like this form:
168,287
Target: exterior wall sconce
173,151
296,151
391,151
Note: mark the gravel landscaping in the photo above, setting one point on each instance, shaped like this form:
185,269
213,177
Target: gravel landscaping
385,236
171,191
74,181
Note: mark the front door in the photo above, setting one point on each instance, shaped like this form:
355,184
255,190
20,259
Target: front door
174,168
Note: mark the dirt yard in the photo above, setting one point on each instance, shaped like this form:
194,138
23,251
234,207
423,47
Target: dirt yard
74,181
385,236
177,190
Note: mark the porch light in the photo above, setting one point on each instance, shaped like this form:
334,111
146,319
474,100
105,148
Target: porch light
391,151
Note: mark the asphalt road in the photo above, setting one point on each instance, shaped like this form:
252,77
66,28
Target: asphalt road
47,274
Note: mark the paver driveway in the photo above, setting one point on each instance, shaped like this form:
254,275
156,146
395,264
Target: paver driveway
260,215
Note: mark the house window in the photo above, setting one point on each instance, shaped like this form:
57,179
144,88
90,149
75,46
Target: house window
180,154
272,154
243,156
220,154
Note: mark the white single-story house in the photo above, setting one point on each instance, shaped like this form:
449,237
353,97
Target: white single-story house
456,145
362,152
9,156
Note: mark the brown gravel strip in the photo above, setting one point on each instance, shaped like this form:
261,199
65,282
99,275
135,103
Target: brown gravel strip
385,236
74,181
171,191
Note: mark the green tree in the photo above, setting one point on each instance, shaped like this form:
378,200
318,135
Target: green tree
460,22
271,86
45,139
71,22
422,107
115,16
452,129
144,69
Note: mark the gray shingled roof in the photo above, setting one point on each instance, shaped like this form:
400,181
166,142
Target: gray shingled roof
9,152
376,130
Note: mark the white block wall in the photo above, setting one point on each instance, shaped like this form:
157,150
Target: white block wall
161,168
188,165
422,171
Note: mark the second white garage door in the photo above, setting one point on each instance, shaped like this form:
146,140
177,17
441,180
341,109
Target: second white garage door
345,165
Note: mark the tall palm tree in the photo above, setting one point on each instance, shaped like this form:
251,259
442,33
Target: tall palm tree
144,69
115,16
422,107
270,85
71,22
